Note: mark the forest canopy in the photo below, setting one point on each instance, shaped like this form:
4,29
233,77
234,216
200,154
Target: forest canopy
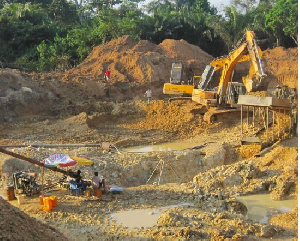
40,34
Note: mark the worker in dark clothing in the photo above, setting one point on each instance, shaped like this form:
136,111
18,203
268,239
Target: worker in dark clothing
285,92
76,175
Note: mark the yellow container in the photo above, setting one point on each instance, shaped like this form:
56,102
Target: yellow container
47,204
53,200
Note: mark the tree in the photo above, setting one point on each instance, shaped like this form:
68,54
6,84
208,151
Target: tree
232,27
163,21
283,20
63,11
265,38
68,29
181,19
23,27
131,18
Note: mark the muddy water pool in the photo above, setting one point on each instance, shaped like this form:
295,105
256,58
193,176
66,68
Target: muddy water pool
260,206
139,218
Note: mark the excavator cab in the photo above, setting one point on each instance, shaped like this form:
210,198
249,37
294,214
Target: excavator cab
176,73
201,94
177,85
206,77
234,89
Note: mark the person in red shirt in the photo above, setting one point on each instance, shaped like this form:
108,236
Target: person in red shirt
107,75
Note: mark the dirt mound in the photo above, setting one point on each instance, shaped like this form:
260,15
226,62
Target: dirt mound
286,220
281,66
21,97
9,79
181,50
138,62
16,225
135,66
175,117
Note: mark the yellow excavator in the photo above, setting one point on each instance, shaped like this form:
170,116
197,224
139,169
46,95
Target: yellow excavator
228,91
177,86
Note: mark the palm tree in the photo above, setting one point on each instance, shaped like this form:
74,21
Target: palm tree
232,28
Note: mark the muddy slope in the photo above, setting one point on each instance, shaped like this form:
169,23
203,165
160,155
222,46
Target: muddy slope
17,225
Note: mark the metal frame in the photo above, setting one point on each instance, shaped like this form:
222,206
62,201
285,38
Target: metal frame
266,111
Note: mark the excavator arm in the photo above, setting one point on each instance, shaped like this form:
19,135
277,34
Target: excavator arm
246,51
254,80
229,65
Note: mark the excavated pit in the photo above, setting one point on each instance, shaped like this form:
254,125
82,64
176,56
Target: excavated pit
76,106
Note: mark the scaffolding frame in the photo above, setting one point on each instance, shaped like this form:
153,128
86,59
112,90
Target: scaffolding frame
271,116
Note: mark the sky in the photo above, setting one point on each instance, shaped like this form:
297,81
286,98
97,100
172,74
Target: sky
219,4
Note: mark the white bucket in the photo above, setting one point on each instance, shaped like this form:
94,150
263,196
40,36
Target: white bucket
21,199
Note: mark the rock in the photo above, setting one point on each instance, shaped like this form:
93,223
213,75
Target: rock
268,231
236,207
26,89
233,180
216,157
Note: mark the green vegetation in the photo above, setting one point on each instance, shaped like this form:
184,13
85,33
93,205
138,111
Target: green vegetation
40,34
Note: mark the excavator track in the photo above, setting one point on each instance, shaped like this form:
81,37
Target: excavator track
215,114
179,98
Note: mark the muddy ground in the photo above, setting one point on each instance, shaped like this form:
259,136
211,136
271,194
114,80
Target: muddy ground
74,107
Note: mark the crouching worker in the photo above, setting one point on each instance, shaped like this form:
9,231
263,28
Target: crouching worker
98,184
77,184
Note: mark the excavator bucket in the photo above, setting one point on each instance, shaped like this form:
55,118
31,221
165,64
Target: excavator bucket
254,82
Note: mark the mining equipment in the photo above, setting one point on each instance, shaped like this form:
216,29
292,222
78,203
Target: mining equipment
223,98
177,86
25,183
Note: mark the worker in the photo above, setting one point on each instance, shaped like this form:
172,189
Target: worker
277,92
293,95
107,75
97,181
285,92
148,94
76,175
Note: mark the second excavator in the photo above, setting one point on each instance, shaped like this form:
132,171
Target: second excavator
178,86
